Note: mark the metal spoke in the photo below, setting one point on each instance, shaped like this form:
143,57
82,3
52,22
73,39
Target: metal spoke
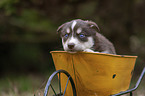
59,83
53,89
58,73
130,93
66,85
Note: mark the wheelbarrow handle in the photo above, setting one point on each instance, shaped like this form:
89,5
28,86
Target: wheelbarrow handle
133,89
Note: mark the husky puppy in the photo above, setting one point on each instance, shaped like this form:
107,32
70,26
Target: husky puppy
79,35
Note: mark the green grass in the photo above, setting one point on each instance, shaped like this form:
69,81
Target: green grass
22,85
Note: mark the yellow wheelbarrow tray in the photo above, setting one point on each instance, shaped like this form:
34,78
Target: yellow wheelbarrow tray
93,74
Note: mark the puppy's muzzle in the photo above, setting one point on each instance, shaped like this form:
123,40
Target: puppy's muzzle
71,45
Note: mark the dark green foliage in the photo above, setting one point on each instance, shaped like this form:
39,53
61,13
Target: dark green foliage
28,29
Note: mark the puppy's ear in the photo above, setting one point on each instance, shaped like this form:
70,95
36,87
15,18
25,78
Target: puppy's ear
60,28
93,25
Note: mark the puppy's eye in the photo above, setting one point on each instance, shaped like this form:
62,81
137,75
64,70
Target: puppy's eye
66,35
81,35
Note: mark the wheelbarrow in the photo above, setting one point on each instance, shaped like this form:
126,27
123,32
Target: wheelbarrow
92,74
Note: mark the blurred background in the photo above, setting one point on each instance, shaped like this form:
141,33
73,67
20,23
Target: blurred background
28,34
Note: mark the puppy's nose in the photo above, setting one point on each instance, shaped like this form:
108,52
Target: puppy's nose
71,45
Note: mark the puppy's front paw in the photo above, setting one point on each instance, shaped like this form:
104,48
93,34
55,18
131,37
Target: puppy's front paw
88,50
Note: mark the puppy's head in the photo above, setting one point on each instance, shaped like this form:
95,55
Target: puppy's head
78,35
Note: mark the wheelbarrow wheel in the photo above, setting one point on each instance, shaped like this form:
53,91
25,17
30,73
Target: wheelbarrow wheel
48,85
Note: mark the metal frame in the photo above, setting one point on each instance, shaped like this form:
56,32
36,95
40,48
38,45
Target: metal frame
69,79
133,89
73,85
